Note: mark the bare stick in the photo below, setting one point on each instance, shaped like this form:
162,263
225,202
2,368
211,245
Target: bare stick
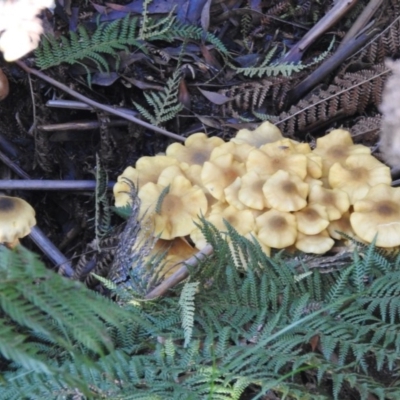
14,167
38,184
97,105
51,251
179,275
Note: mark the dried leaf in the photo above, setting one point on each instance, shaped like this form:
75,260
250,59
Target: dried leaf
215,97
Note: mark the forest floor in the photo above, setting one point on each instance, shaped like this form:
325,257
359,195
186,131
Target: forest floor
307,66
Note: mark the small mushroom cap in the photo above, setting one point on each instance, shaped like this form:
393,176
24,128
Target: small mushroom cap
219,173
150,168
251,193
277,229
240,152
312,219
265,133
378,214
314,165
341,225
285,192
232,194
242,220
196,150
17,218
357,174
174,211
316,244
336,201
168,175
122,187
336,146
272,157
177,251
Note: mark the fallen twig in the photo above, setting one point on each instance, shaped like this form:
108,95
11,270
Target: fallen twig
95,104
179,275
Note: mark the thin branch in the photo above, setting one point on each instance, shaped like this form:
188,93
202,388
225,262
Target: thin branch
95,104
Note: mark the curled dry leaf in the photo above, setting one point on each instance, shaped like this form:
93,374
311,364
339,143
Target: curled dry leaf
4,87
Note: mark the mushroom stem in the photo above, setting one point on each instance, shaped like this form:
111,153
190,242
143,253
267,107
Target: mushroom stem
38,184
51,251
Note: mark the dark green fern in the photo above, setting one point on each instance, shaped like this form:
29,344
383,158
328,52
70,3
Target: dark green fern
165,104
108,39
119,35
244,322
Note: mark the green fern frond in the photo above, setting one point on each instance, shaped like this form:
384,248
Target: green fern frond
165,104
186,304
108,39
247,322
276,68
119,35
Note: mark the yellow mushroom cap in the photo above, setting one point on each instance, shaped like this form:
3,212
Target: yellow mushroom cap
240,152
336,146
242,220
219,173
177,251
312,219
232,194
316,244
173,210
285,192
341,225
277,229
147,170
196,150
150,168
378,214
314,165
358,173
268,160
335,201
265,133
17,218
122,187
251,193
168,175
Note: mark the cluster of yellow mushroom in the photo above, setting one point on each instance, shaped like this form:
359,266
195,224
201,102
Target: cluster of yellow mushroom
269,188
